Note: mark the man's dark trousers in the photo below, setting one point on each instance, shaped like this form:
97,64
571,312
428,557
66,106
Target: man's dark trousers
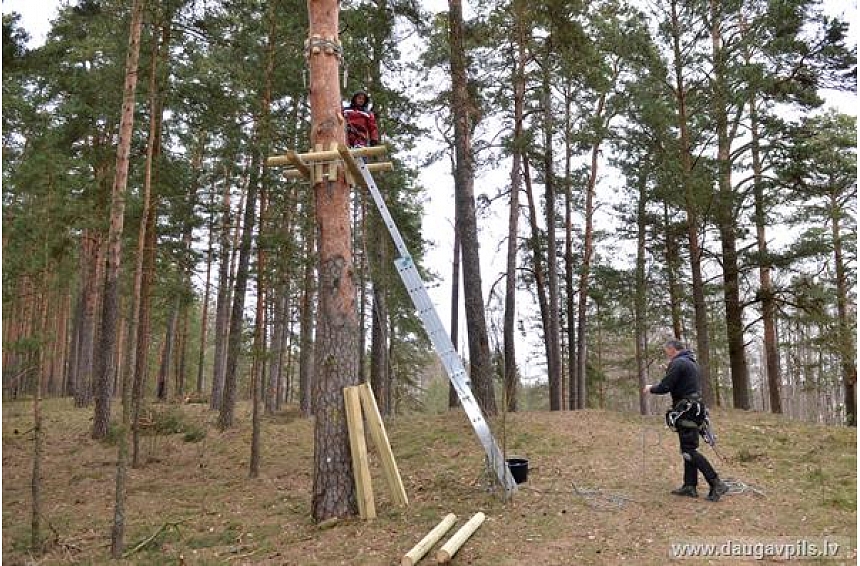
694,461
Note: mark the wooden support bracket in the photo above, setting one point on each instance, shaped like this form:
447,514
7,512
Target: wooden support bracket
296,161
383,447
358,448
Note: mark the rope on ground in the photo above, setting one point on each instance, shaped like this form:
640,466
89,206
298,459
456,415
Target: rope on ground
737,486
597,499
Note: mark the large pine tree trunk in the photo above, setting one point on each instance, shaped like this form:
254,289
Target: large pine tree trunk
222,305
453,399
569,291
766,291
673,265
481,373
204,314
105,359
537,253
847,339
511,378
306,330
551,330
90,256
162,387
584,271
141,323
234,339
379,365
111,302
336,348
700,307
726,219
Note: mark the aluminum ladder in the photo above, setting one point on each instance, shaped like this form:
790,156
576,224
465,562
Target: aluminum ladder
440,339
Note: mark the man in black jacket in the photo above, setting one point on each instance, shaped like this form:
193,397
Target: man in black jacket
683,382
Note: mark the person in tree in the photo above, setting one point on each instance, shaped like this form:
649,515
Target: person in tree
361,130
689,417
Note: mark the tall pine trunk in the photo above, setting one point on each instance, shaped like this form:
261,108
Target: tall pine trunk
726,219
222,305
551,329
584,271
766,291
481,371
511,378
453,399
641,304
336,348
306,330
234,338
847,339
105,359
379,363
110,310
700,307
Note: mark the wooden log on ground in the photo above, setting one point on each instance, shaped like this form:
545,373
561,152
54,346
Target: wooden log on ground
450,548
420,549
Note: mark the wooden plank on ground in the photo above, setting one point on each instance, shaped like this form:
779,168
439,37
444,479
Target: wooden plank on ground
358,448
380,439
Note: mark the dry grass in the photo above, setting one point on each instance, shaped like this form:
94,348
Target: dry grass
597,491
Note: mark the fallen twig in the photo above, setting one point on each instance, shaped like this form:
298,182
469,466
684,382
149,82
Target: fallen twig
149,539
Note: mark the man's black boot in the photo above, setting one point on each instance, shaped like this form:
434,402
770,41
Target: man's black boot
718,489
686,490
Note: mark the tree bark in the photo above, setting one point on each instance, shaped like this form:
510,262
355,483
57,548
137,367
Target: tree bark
105,360
700,307
537,253
584,271
641,304
847,339
306,332
222,312
110,310
336,349
511,378
234,339
379,380
90,258
766,291
726,219
551,330
453,399
481,373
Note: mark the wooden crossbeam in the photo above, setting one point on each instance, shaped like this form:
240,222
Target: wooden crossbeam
325,155
380,440
372,167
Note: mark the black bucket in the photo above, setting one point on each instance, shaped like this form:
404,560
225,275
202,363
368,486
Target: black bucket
519,468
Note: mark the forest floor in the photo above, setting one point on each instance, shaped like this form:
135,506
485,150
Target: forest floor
597,491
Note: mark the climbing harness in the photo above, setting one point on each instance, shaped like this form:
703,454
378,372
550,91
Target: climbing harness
692,413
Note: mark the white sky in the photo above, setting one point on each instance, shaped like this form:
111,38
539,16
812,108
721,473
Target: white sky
37,14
